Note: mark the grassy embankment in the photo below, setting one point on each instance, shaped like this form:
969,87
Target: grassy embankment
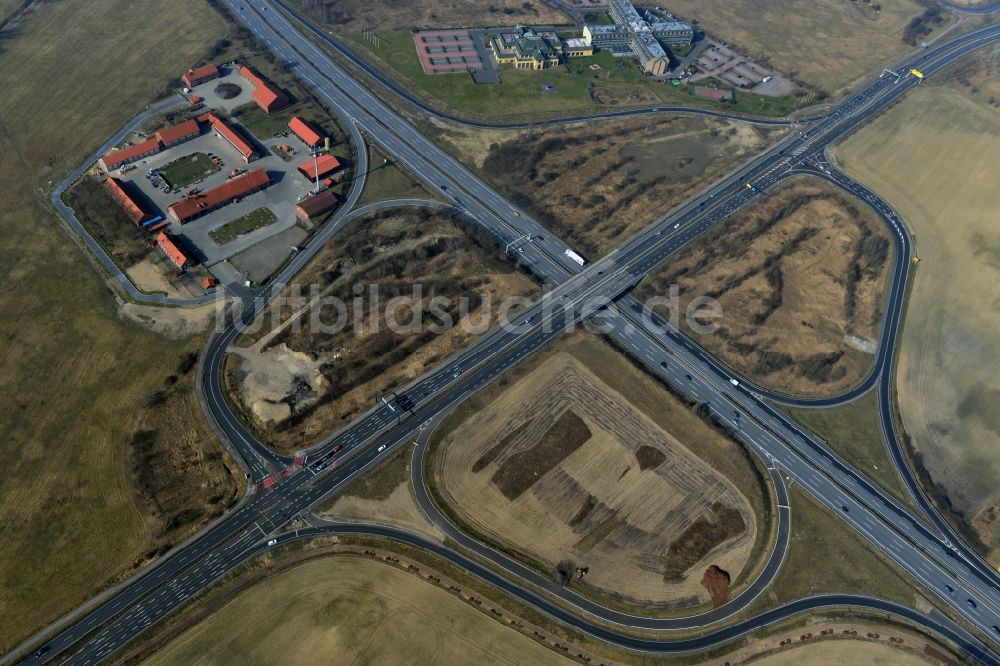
853,431
388,180
76,382
597,184
359,610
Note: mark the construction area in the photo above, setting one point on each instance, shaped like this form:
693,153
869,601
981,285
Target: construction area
300,373
564,470
194,198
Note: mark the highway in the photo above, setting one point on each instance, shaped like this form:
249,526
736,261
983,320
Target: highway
576,295
652,246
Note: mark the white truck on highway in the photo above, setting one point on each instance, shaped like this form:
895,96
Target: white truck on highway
575,257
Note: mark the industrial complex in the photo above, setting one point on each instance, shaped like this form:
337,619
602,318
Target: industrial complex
184,194
644,38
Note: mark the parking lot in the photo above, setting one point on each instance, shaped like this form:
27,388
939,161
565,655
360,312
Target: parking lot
287,187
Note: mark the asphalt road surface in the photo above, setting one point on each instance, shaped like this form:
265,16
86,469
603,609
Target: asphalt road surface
593,290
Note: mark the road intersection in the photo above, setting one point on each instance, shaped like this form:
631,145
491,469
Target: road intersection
577,294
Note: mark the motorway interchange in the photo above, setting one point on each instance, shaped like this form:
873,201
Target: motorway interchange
923,545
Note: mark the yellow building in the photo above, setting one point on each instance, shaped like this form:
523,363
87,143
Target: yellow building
577,47
523,48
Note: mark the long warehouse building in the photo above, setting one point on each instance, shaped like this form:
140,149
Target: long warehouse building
195,206
133,208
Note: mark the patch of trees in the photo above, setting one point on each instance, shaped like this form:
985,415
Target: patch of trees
822,367
939,495
870,255
921,26
107,221
700,538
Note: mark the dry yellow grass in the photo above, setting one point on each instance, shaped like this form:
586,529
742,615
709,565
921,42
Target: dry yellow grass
597,184
599,506
357,15
71,375
935,156
827,44
397,251
800,276
353,611
837,652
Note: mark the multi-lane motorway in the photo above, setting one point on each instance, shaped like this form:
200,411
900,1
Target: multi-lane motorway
577,293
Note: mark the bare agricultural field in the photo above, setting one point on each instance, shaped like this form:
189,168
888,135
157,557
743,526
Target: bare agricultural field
559,466
305,372
597,184
74,380
827,45
935,157
800,276
359,610
358,15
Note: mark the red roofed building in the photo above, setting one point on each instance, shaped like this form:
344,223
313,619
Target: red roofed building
327,165
199,75
191,207
316,205
131,207
177,134
119,158
304,132
174,253
265,94
231,136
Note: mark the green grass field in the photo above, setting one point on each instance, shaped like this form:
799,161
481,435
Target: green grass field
255,219
387,180
853,431
72,375
188,169
522,94
826,556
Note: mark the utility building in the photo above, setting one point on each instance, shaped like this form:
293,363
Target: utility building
316,205
119,158
174,253
327,164
199,75
265,94
178,134
306,133
230,136
135,211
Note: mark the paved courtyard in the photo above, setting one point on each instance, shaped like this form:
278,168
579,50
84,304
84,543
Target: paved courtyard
287,188
213,101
